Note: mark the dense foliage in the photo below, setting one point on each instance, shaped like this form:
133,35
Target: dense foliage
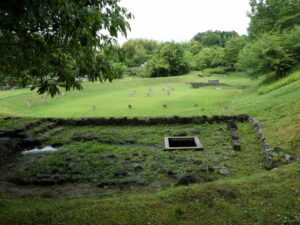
209,57
59,42
56,42
214,38
205,50
232,51
194,47
272,46
168,60
138,51
274,32
278,53
273,15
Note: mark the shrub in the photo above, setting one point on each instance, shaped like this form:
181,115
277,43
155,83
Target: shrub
217,70
157,67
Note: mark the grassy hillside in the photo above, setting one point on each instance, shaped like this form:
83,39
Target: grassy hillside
262,197
112,99
278,110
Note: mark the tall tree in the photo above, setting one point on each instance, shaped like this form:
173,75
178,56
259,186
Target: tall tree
232,50
275,53
55,42
272,15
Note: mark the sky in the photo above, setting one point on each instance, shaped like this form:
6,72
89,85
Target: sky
180,20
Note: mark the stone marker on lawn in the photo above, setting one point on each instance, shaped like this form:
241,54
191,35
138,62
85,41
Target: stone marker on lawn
42,98
29,102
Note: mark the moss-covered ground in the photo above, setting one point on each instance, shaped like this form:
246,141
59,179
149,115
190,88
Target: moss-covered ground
134,157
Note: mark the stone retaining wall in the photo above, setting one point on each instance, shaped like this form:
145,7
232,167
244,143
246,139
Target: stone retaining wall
147,122
199,84
272,157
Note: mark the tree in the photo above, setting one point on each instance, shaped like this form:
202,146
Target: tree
272,53
272,15
55,42
232,50
291,43
190,59
214,38
138,51
210,57
168,60
194,47
157,67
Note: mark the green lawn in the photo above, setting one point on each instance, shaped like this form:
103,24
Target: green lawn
112,99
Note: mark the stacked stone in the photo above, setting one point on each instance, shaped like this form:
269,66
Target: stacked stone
272,157
232,127
145,122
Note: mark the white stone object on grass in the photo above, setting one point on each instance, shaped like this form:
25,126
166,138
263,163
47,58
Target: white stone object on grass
38,151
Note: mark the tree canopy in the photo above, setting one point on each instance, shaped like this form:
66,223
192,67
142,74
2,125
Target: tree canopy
274,53
56,42
138,51
232,50
272,15
168,60
274,34
214,38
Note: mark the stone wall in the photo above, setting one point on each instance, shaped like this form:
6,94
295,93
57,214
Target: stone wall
200,84
232,127
272,157
148,122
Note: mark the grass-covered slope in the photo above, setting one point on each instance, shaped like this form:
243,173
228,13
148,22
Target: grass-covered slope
112,99
266,197
278,111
